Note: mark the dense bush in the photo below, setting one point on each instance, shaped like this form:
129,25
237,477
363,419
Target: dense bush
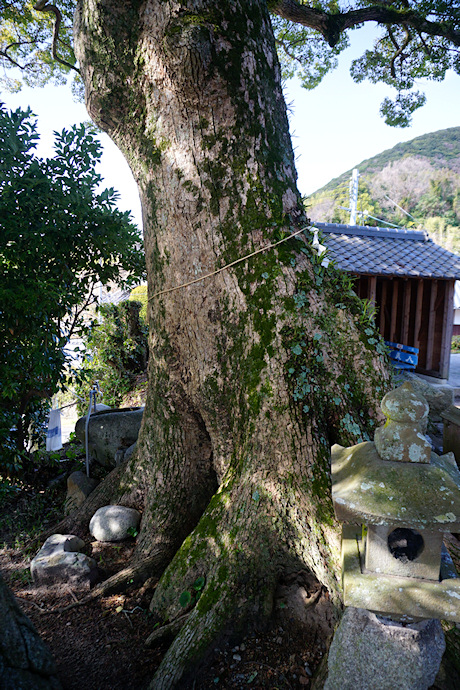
59,237
117,352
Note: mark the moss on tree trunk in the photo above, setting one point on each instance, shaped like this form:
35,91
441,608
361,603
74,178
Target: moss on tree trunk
255,371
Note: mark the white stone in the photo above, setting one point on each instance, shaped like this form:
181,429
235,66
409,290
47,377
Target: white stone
111,523
58,543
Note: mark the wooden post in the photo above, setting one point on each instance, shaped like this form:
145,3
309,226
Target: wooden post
406,312
448,324
418,312
394,310
383,306
431,325
372,289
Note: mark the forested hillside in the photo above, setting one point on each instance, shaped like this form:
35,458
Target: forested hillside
414,184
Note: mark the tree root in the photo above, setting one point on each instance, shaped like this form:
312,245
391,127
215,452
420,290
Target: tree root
167,632
230,566
139,573
198,633
31,603
234,592
136,574
77,523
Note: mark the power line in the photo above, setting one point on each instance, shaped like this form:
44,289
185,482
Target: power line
398,206
368,215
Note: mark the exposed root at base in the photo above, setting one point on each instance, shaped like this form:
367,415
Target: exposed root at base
138,574
167,632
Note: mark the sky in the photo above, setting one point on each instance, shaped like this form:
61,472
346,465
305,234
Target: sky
334,127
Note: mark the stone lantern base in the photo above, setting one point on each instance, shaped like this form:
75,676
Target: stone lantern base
373,653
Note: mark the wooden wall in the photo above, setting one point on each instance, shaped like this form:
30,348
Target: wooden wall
414,311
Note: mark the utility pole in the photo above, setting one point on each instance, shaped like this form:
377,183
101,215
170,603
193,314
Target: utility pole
354,196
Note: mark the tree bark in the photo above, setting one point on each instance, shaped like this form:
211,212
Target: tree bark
25,662
255,371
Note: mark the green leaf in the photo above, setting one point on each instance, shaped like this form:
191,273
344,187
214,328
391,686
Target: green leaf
185,599
199,584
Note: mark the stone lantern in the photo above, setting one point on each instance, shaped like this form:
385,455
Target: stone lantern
397,498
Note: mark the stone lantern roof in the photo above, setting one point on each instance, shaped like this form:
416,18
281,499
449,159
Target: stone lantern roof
367,489
397,479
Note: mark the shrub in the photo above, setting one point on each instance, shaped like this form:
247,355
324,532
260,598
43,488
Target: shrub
117,352
59,236
139,294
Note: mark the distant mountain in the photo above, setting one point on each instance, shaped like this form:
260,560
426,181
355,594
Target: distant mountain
441,149
414,184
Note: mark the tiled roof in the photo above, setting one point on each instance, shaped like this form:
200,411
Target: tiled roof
396,252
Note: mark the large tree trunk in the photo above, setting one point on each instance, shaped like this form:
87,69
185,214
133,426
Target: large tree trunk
254,371
25,661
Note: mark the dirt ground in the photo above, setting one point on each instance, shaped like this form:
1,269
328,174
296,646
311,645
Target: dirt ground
101,645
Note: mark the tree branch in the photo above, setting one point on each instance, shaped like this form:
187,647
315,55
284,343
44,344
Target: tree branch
330,26
4,53
287,49
33,393
80,308
399,49
41,6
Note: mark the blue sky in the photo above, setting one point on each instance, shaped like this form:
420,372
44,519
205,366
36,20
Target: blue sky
334,127
337,125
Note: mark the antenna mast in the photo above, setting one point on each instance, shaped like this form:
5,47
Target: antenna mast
354,196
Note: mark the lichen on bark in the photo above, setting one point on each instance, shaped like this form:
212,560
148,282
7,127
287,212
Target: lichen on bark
254,370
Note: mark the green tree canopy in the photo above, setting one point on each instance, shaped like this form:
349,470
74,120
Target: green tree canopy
59,237
416,40
38,43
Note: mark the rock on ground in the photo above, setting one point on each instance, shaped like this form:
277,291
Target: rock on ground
60,560
108,432
373,653
112,523
79,487
439,397
129,451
